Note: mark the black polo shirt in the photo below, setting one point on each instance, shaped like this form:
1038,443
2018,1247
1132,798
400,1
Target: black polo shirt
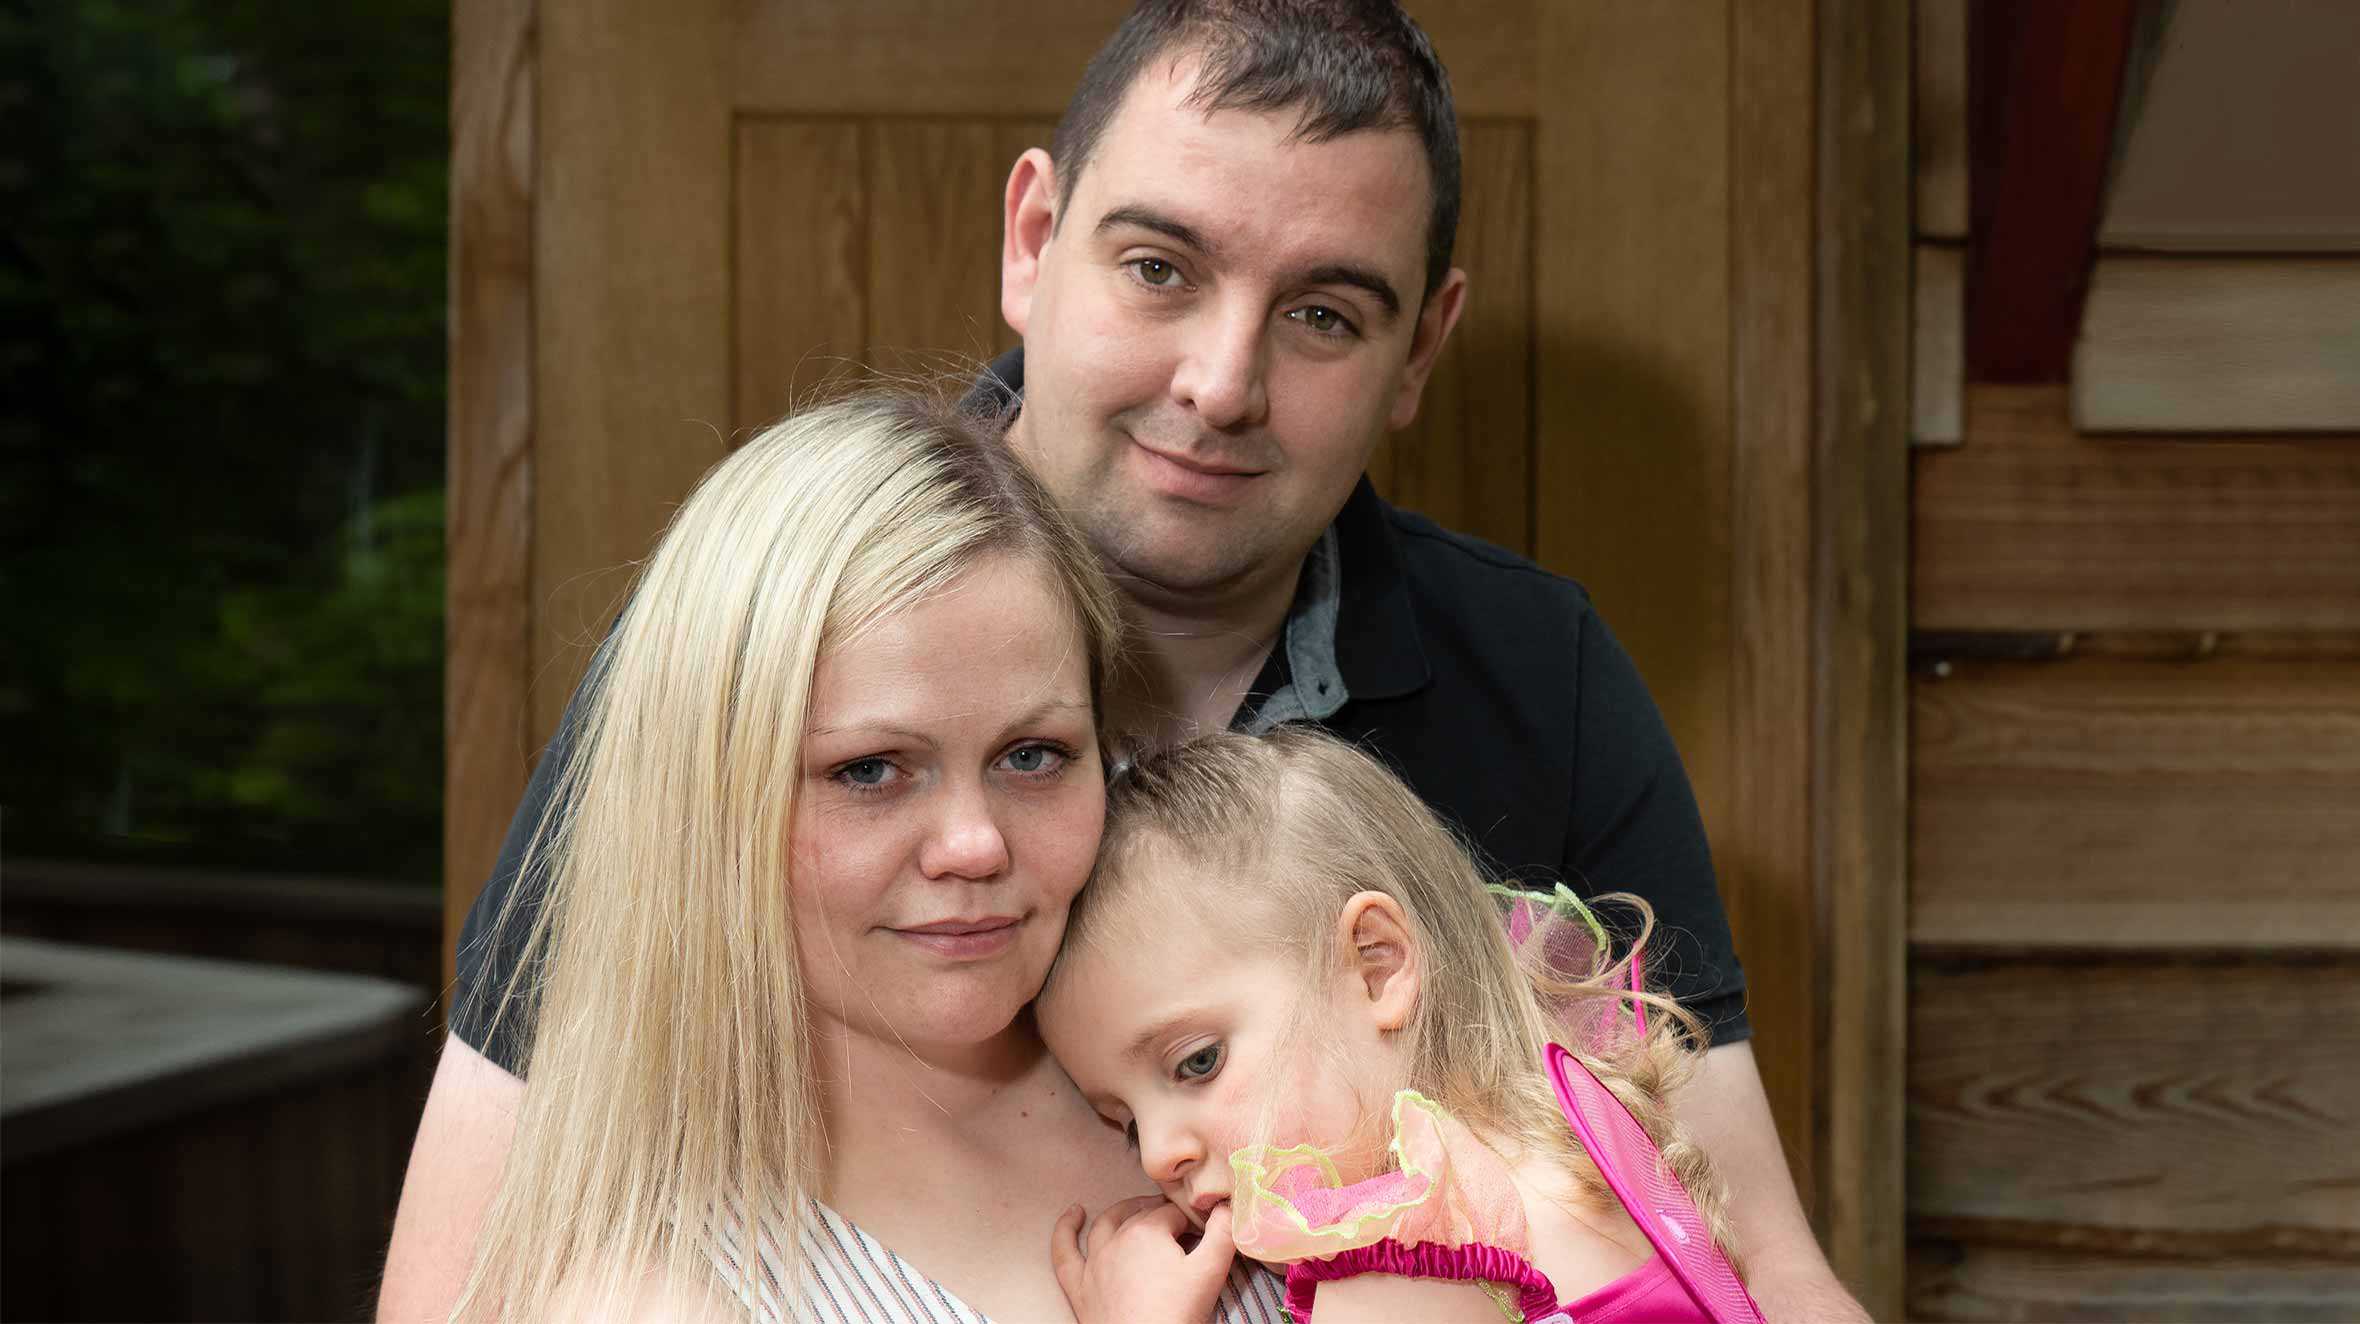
1495,690
1489,684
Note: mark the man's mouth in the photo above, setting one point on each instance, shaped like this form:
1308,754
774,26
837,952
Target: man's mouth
1196,480
1211,468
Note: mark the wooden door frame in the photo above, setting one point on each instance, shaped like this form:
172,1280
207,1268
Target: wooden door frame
488,615
1812,435
1861,623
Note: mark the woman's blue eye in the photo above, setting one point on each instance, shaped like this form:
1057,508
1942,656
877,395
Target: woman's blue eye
865,772
1201,1063
1155,271
1034,758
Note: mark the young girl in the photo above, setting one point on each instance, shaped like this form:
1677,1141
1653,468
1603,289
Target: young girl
1283,946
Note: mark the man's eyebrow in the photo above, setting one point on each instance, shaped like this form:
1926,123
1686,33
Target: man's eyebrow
1344,273
1144,218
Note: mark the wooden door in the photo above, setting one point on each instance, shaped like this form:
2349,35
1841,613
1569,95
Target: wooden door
669,220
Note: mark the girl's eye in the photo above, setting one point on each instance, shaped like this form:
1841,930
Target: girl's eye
1036,759
1155,271
1200,1064
1323,319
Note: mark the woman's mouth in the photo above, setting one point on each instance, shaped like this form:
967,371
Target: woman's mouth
963,939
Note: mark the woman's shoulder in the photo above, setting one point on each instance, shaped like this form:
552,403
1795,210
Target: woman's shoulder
649,1297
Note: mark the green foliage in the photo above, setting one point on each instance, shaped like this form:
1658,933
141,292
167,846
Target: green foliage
221,347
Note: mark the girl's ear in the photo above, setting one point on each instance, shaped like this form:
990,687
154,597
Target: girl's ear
1380,957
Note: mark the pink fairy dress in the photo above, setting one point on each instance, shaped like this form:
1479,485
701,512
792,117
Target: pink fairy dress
1451,1211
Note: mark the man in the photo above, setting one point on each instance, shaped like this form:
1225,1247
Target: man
1232,276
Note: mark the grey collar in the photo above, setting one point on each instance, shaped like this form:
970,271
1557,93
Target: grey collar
1315,686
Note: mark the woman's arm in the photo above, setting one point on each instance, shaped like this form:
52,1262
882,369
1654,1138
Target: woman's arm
455,1167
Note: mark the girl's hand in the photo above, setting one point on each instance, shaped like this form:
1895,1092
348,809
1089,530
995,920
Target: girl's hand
1132,1269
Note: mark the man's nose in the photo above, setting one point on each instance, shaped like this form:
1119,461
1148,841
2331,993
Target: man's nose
1222,374
965,840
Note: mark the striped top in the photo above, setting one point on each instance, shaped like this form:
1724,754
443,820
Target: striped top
849,1277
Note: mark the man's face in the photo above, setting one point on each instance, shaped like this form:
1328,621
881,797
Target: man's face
1223,323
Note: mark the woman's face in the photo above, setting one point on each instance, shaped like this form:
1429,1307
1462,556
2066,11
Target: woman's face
950,807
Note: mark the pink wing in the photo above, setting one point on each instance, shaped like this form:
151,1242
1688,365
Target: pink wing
1656,1201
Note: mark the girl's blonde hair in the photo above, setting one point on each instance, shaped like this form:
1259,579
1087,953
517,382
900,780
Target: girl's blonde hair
669,1065
1285,828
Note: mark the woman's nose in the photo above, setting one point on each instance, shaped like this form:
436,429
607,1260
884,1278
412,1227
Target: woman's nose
966,841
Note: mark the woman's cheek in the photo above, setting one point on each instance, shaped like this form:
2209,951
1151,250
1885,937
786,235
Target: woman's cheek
1054,838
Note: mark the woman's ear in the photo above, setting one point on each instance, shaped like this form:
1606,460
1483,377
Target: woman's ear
1380,958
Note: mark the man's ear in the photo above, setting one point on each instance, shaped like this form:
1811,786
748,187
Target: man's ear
1435,322
1381,959
1028,217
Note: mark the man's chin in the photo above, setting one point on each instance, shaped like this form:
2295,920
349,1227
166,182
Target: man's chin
1186,573
1166,557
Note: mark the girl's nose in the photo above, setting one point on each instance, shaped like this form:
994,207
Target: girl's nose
966,841
1168,1153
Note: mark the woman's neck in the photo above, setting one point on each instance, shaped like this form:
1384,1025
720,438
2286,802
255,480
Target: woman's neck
885,1100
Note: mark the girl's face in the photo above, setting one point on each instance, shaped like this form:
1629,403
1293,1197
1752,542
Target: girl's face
1185,1038
950,806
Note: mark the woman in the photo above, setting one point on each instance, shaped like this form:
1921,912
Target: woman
838,777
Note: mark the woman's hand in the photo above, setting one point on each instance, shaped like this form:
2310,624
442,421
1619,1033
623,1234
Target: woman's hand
1132,1269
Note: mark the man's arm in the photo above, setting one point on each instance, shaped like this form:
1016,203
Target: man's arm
1725,1110
1636,828
455,1168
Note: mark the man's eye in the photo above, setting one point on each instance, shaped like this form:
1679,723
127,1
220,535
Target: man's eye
1201,1063
1323,319
1155,271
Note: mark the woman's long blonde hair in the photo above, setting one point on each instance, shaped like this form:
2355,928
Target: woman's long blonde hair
670,1087
1286,828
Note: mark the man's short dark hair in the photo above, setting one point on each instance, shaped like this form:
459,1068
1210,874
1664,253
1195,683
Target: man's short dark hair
1343,65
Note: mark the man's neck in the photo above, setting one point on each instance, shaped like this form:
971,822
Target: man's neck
1196,656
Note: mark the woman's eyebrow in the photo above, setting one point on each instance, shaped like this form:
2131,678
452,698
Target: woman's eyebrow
910,734
1046,708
